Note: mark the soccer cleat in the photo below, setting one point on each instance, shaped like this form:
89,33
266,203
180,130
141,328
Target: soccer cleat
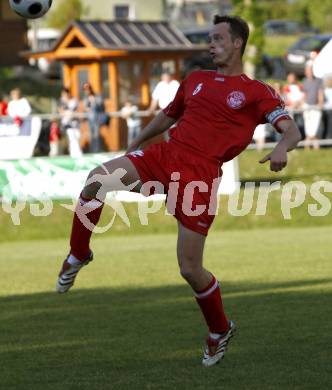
68,274
215,349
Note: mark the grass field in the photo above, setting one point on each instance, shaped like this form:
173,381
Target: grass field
131,322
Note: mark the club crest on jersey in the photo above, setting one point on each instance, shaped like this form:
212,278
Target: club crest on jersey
197,89
236,99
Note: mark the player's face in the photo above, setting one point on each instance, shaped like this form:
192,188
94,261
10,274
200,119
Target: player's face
222,47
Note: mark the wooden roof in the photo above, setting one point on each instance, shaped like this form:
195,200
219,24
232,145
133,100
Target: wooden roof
133,35
96,39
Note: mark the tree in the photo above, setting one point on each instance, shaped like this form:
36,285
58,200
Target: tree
65,12
274,9
253,13
312,13
321,14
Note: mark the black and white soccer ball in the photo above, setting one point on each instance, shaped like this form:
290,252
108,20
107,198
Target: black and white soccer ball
30,9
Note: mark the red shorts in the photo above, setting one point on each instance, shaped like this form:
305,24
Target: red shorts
190,181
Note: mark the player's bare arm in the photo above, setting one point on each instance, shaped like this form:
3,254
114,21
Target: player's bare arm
157,126
291,137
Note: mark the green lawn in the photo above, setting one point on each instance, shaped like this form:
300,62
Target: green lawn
131,322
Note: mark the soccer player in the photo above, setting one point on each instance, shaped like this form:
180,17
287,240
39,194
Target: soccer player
216,114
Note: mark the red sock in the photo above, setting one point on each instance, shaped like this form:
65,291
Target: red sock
86,216
210,302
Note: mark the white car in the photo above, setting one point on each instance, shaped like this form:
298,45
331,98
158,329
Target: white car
305,49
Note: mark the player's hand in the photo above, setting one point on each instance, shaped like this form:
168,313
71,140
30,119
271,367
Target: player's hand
277,158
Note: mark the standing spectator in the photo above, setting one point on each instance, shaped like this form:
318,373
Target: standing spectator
294,96
69,123
259,136
313,105
97,117
18,107
328,107
55,136
3,106
134,123
293,93
163,94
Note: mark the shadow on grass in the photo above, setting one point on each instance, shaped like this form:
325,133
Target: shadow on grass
151,338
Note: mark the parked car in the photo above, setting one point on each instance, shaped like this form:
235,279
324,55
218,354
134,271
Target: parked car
287,27
281,27
303,50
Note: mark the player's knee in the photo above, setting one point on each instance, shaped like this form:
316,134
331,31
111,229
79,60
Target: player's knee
95,172
185,273
92,184
188,269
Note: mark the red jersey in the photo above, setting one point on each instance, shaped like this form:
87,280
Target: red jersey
217,114
55,133
3,108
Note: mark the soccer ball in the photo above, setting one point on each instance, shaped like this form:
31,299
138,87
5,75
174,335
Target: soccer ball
30,9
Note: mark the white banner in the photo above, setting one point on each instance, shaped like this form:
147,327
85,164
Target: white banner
64,177
18,142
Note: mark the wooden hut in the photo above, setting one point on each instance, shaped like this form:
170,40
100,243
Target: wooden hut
120,59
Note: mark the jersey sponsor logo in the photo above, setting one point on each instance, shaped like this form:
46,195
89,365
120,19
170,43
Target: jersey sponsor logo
236,99
275,114
219,79
136,153
197,89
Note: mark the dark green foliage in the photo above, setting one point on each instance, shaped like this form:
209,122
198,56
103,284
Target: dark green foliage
65,12
253,13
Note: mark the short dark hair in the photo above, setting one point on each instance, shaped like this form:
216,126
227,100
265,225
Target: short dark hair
238,28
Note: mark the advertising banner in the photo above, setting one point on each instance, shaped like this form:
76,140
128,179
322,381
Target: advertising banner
18,141
63,178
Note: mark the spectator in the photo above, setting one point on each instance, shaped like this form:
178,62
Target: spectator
54,139
313,105
134,123
3,106
70,124
328,107
293,93
259,136
294,96
97,117
18,107
163,94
